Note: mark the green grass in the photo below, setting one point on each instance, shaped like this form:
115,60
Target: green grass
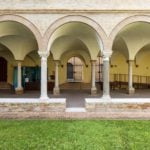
74,135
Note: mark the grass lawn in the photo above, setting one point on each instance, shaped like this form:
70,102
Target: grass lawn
74,135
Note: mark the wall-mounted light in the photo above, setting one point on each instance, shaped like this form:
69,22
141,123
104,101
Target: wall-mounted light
113,66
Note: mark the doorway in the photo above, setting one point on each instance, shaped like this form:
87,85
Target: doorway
3,69
74,70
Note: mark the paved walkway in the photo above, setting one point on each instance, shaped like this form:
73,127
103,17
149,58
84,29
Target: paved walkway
76,98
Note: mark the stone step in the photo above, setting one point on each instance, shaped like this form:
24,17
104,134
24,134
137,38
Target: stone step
76,109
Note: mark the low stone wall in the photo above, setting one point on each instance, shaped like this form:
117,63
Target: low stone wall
32,106
118,105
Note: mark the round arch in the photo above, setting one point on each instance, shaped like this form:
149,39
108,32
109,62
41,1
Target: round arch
123,23
34,58
7,54
26,23
74,18
142,51
77,55
84,56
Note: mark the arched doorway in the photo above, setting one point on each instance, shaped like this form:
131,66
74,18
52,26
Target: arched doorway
74,70
3,69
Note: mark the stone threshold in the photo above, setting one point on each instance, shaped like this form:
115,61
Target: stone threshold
76,109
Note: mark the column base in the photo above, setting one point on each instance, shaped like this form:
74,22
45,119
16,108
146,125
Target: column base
106,97
93,91
19,91
56,91
44,98
131,91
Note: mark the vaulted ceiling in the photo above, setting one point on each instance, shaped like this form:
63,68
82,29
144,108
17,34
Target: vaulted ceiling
133,38
75,36
16,38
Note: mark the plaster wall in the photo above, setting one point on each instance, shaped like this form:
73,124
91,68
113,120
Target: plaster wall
76,4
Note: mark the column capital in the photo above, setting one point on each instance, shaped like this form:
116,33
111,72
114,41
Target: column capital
93,61
18,62
43,54
130,61
57,61
106,55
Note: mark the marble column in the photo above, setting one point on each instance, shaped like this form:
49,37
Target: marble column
19,89
131,90
93,88
44,95
56,90
106,86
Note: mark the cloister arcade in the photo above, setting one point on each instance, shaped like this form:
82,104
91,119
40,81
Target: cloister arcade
74,49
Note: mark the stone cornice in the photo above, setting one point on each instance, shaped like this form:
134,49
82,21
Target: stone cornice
64,11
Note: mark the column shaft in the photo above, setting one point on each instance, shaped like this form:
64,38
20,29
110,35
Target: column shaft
56,76
56,90
106,88
44,78
19,75
19,89
93,88
130,79
106,78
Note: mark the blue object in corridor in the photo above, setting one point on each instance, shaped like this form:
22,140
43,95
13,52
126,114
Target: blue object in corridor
32,73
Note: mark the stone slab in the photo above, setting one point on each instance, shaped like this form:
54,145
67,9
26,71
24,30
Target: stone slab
118,105
32,105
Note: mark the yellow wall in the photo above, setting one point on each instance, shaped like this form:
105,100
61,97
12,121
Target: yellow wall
143,62
10,69
28,62
50,65
120,65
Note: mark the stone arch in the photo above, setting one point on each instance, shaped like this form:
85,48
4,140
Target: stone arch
26,23
123,23
74,18
34,58
7,54
142,51
84,61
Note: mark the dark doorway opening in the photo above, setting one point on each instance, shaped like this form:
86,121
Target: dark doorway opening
3,69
